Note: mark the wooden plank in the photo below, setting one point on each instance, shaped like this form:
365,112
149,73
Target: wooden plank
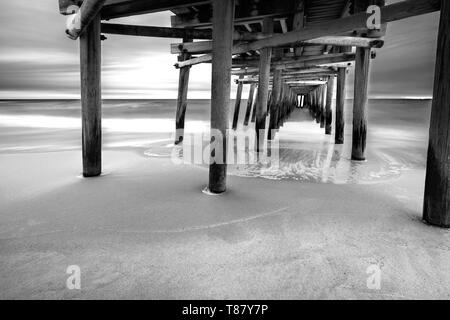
136,7
176,33
340,102
160,32
223,13
437,192
91,101
246,12
206,46
294,63
343,41
362,68
390,13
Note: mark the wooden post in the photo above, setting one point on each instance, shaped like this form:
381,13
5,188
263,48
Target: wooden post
362,68
322,102
263,89
254,105
248,112
437,192
237,106
183,84
91,100
223,16
328,112
317,105
275,103
340,102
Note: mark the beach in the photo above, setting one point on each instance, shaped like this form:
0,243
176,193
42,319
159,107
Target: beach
308,230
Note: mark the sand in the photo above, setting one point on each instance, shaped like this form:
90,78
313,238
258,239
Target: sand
145,230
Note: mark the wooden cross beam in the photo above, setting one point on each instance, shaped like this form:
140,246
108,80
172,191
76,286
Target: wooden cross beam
178,33
130,8
343,41
390,13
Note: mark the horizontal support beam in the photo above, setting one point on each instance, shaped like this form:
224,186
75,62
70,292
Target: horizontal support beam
309,61
303,62
342,41
390,13
244,14
136,7
157,32
206,46
177,33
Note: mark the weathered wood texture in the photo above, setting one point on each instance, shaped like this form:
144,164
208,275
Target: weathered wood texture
250,101
263,89
340,102
206,46
91,101
254,106
437,184
275,103
328,107
362,69
237,105
158,32
390,13
322,99
183,85
223,13
130,8
88,12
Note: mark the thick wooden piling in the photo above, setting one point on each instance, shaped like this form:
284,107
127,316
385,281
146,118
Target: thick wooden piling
237,105
328,108
250,100
340,102
222,21
437,191
263,89
275,103
362,68
183,84
91,100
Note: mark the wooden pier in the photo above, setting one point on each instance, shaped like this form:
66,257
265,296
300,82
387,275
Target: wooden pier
291,53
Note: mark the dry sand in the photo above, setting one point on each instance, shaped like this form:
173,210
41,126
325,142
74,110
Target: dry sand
145,230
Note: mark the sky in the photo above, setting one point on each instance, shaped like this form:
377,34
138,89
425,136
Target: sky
37,60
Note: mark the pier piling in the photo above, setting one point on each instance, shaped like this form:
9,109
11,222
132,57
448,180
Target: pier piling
183,84
223,16
340,102
362,68
91,100
437,191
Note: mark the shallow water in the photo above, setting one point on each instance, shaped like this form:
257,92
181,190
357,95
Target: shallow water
397,137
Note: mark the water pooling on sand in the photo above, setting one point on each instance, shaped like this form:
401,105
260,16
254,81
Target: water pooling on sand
397,137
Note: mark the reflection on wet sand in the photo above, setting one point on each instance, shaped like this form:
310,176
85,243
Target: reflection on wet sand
306,154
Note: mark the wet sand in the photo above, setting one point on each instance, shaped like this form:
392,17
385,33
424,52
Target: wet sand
145,229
